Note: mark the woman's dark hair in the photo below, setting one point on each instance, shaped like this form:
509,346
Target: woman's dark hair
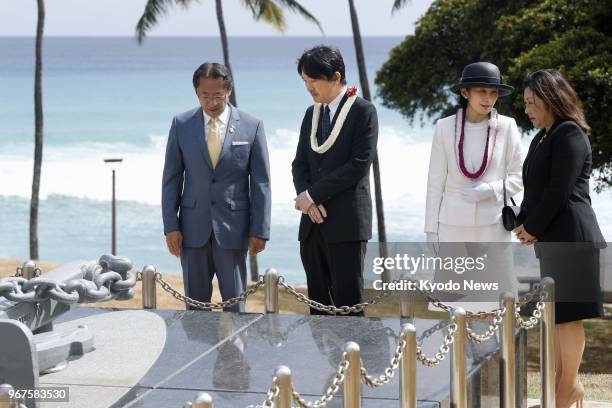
213,70
322,62
551,87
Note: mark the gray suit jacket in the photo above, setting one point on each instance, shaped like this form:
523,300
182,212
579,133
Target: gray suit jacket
234,199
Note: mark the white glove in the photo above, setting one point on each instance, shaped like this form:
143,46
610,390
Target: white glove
476,192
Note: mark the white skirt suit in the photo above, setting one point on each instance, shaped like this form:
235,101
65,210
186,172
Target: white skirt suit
447,213
463,223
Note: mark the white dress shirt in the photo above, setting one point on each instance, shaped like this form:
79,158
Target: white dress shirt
333,105
223,118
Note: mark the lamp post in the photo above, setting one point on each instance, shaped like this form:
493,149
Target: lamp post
114,163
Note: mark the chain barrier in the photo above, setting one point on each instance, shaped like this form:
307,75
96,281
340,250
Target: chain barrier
332,390
106,279
449,309
357,308
331,309
389,371
368,380
271,394
207,305
444,348
533,320
536,315
493,328
109,278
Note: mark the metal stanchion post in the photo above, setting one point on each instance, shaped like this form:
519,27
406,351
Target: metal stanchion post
5,396
271,290
408,397
285,388
459,365
547,344
28,270
352,381
508,357
203,400
149,286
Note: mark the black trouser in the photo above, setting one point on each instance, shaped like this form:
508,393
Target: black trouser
334,271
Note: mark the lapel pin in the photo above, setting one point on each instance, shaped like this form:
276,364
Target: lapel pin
232,129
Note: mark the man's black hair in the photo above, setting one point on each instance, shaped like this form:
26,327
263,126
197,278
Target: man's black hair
322,62
213,70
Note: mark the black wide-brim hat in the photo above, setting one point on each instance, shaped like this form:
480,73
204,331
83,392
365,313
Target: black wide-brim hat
482,75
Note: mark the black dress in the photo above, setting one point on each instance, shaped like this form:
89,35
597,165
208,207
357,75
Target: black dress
556,209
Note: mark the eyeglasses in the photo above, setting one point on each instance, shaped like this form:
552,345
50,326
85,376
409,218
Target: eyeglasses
215,98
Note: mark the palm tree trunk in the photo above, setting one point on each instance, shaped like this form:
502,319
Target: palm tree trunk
363,78
38,132
225,46
233,100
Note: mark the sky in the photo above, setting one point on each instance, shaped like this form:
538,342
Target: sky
119,17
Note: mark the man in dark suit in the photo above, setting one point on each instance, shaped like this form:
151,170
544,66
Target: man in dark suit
331,175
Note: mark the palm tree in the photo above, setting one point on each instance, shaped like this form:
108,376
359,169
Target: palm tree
365,87
38,132
271,11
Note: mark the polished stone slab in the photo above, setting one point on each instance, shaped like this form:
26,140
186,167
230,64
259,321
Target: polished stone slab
314,344
233,356
188,336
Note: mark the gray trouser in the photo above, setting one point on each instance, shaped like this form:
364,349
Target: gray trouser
202,263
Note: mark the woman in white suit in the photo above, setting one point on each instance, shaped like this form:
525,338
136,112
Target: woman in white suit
473,155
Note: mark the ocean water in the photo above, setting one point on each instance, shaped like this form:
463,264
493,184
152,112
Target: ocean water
109,97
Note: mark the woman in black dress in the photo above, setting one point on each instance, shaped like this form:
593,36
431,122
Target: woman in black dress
556,215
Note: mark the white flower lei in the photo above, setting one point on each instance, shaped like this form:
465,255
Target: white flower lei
335,131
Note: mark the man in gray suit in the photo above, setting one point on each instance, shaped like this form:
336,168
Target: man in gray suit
216,198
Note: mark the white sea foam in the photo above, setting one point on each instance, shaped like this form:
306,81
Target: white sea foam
79,171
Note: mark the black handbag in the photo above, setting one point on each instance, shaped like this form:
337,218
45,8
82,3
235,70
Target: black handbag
510,212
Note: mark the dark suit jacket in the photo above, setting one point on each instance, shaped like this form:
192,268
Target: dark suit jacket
556,205
340,178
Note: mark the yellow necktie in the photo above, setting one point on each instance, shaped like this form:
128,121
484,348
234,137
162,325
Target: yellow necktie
214,141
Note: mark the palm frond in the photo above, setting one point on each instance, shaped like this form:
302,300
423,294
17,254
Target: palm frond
398,4
267,11
296,7
272,14
252,6
271,11
152,11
